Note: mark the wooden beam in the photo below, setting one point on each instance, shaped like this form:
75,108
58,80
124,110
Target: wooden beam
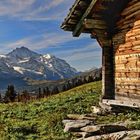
93,21
107,73
127,103
132,2
77,13
132,15
73,9
102,37
72,21
131,9
82,4
79,26
94,24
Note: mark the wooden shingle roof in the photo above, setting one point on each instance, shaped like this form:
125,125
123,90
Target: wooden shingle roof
76,13
97,17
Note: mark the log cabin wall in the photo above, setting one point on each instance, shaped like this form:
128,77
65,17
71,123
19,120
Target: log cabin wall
126,42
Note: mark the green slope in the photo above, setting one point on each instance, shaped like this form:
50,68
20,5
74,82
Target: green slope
42,120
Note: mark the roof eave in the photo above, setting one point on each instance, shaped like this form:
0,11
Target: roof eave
79,27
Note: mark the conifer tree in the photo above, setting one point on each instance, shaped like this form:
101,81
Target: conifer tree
26,95
10,94
85,80
64,88
0,98
39,93
90,79
47,91
68,85
55,90
44,92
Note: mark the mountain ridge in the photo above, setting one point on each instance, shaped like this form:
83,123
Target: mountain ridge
24,63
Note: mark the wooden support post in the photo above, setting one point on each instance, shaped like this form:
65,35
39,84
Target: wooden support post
107,73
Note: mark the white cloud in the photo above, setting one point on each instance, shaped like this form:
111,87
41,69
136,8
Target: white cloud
42,41
22,42
91,50
83,57
14,7
80,49
34,9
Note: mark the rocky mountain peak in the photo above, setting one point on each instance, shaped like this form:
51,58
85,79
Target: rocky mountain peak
22,52
24,63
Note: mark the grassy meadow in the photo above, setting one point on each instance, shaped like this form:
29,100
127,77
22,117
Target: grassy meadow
42,119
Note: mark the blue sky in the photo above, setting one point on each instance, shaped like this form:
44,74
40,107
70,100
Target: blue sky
36,24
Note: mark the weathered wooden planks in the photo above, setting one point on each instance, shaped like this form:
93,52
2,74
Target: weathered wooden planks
123,102
127,52
131,9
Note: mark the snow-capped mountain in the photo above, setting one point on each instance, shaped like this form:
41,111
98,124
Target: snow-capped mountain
24,63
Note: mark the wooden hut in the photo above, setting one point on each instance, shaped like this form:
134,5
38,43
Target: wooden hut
115,24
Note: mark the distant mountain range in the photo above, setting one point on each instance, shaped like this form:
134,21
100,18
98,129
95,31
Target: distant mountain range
84,77
23,64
